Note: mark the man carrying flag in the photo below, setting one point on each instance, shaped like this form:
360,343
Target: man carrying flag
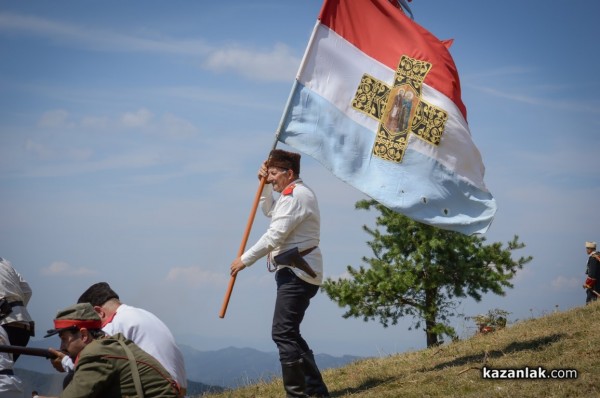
292,246
377,101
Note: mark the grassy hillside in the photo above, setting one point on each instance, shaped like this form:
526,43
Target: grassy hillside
561,340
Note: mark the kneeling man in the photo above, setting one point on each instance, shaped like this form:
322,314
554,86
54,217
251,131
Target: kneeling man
107,366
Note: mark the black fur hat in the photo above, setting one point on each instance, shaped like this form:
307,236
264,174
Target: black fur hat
285,160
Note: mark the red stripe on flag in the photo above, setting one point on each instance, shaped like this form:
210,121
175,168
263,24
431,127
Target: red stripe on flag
383,32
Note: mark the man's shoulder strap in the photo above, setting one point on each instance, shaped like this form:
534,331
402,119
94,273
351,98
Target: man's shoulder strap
289,189
135,373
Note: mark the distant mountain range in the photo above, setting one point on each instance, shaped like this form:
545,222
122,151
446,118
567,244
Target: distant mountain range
234,367
206,370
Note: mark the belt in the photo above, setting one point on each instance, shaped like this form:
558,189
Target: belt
7,372
19,325
16,304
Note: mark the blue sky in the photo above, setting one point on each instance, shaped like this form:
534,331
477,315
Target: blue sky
131,132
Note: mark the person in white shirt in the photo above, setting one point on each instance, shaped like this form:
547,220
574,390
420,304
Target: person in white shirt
138,325
294,228
15,292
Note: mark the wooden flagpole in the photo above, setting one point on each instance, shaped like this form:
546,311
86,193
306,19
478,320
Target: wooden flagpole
264,180
243,245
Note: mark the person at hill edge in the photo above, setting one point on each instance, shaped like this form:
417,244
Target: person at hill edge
291,246
593,273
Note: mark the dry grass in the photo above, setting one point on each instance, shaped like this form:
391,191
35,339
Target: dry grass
561,340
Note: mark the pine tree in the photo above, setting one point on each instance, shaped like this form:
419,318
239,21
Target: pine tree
422,271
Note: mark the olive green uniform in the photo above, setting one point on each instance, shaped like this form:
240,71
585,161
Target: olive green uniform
103,370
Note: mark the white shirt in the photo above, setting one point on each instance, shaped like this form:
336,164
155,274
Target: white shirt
10,386
295,222
14,288
151,334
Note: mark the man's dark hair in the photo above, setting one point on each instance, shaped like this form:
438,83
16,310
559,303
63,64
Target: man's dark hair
98,294
97,333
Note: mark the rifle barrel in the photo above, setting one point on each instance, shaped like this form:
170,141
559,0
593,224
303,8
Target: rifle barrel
36,352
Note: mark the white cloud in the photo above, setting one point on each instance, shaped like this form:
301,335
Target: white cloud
41,151
94,122
169,125
123,161
139,118
196,276
46,152
278,64
203,94
55,146
577,159
564,104
174,126
79,154
91,39
564,283
343,276
513,70
62,268
527,273
54,118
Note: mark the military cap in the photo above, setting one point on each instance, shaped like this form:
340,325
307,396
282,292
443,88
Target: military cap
285,160
76,317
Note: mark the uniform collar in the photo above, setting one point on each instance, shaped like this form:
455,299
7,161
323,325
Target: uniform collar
290,187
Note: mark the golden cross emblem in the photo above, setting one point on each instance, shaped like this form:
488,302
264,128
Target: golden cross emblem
400,109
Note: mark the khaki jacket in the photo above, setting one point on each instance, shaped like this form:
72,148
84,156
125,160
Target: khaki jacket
103,370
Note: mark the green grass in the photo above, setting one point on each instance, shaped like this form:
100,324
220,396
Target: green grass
562,340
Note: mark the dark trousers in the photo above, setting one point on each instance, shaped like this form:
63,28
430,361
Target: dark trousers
293,298
590,296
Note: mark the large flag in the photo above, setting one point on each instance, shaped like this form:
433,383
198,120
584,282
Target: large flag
377,102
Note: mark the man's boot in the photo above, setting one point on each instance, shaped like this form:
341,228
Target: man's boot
293,378
315,386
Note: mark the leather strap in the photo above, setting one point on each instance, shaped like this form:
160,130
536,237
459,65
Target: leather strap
307,251
135,373
273,268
